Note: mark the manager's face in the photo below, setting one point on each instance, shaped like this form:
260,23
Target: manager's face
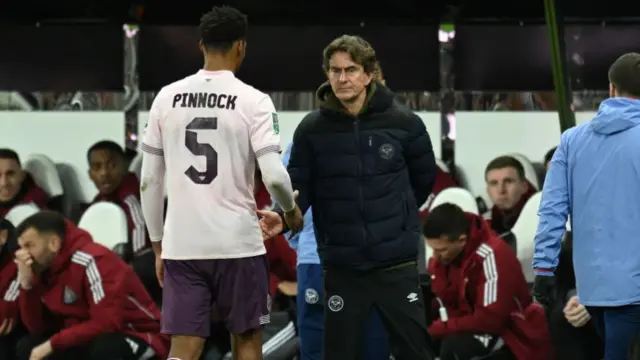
348,79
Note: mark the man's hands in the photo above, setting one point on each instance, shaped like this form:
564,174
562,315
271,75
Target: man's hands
295,220
41,351
544,287
25,273
271,222
288,288
575,313
7,326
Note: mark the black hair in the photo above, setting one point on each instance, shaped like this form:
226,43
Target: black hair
221,27
506,161
624,74
44,222
549,154
107,145
445,220
10,155
12,244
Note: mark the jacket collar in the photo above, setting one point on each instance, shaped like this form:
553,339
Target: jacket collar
74,239
379,98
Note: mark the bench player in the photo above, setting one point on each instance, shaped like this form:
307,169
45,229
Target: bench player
206,131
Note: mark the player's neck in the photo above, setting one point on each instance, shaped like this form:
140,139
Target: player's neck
354,107
218,64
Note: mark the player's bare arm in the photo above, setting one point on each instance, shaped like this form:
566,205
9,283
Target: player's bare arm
278,183
152,196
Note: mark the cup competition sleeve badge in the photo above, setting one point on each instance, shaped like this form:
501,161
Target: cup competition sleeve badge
276,124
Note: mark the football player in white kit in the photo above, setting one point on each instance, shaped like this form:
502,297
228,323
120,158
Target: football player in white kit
205,132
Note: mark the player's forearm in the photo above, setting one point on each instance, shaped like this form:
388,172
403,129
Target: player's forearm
157,247
152,194
276,180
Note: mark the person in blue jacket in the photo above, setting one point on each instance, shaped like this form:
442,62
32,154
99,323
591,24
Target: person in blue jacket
594,179
310,306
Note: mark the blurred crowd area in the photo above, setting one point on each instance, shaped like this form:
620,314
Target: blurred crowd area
447,100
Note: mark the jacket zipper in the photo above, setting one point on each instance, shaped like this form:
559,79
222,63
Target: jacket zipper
356,128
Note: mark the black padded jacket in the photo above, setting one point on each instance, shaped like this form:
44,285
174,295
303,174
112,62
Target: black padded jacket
363,177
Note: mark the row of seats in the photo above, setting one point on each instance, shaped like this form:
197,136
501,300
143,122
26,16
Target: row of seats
106,222
523,231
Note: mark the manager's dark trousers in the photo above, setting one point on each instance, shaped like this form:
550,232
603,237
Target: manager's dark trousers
617,326
581,343
350,298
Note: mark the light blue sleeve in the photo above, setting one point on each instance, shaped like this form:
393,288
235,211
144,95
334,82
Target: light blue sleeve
293,242
553,212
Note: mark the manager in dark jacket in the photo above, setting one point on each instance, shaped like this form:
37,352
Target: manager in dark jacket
364,163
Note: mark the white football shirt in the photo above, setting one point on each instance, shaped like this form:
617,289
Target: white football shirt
210,128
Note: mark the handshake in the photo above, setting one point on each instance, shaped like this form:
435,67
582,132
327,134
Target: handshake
271,223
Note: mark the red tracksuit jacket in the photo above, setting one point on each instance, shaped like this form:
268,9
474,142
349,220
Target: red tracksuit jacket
282,262
9,287
443,181
127,196
29,193
90,291
485,292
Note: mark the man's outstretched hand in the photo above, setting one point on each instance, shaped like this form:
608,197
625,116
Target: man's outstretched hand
295,220
271,222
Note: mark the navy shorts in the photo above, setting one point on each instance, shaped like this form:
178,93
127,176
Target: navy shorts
198,292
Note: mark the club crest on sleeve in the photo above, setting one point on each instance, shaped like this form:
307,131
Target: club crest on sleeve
276,124
311,296
69,297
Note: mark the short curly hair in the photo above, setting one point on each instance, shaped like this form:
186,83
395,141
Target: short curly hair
221,27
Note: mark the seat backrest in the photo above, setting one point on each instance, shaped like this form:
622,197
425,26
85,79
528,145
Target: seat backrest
136,165
530,172
19,213
106,222
458,196
45,174
524,231
428,253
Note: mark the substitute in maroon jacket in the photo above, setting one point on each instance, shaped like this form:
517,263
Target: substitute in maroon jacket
444,180
78,299
481,293
108,171
10,329
16,185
